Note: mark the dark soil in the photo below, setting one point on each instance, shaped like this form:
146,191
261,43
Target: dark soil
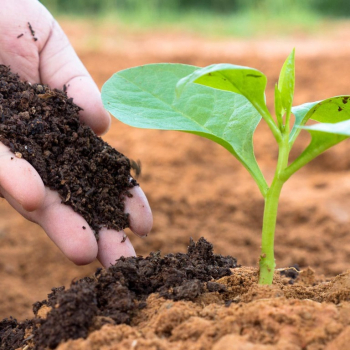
32,32
114,296
42,126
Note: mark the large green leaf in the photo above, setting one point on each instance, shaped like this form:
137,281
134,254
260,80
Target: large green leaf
246,81
331,110
286,82
278,106
323,137
145,97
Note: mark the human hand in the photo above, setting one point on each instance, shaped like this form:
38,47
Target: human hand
51,60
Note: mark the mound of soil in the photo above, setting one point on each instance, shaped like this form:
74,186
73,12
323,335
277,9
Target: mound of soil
42,126
311,314
197,300
114,296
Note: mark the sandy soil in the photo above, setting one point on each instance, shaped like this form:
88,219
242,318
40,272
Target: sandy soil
196,188
281,317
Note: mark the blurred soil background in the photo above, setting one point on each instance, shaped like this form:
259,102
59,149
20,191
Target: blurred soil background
195,187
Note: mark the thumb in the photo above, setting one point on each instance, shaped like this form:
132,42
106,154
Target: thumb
20,181
59,66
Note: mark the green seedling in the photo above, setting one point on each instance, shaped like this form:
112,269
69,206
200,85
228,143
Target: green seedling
225,103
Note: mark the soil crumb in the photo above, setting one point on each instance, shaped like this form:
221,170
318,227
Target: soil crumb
32,32
42,126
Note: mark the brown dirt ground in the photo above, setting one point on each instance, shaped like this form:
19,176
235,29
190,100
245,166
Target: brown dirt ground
281,317
196,188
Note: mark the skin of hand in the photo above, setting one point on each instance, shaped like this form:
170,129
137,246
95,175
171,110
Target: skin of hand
52,60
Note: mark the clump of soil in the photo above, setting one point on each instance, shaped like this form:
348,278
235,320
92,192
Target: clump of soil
311,314
115,296
188,301
42,126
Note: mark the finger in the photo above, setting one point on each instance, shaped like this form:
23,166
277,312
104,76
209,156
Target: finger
112,245
140,214
67,229
20,180
59,65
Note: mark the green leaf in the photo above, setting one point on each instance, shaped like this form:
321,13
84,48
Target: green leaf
331,110
245,81
323,136
341,128
145,97
286,82
278,106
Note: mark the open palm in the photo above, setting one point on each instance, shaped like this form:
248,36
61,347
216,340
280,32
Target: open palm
51,60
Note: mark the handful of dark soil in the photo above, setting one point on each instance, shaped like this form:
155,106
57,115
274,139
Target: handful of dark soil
115,295
42,126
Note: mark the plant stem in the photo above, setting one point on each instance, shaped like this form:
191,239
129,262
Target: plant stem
267,258
264,112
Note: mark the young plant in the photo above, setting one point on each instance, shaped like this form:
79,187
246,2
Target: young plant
225,103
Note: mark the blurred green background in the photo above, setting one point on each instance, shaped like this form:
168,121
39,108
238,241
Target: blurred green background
217,17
